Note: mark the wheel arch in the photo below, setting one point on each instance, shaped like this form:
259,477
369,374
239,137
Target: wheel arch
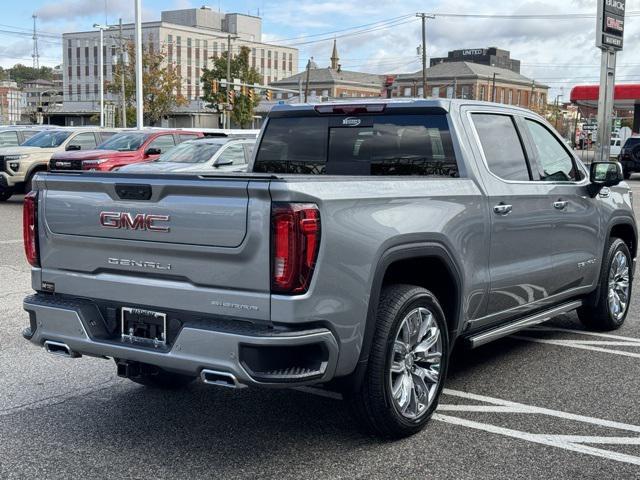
402,264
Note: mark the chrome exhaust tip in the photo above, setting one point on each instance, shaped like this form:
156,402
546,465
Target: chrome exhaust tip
220,379
58,348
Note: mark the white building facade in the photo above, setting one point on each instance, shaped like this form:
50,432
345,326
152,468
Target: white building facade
190,38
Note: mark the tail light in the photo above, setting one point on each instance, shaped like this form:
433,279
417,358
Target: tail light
295,236
30,228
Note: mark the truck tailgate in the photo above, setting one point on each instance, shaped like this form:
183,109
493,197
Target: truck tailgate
196,244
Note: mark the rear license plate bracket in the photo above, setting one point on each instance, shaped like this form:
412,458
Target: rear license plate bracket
143,326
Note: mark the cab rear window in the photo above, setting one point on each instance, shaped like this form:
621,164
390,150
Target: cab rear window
358,145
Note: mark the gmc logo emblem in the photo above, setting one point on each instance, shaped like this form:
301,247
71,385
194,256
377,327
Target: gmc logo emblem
141,221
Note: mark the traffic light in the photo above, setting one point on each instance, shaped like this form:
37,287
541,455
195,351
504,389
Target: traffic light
231,96
251,94
214,87
267,95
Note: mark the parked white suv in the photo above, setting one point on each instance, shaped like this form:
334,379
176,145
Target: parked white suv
19,164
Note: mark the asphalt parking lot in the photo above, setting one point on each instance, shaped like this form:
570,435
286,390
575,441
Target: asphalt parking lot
552,402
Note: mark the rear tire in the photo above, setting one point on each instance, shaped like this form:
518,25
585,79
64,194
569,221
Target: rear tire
163,380
608,306
407,364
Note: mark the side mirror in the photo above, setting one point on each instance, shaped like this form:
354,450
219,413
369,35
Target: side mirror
152,151
73,147
222,161
606,174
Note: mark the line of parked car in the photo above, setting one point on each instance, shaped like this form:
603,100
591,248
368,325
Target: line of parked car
24,151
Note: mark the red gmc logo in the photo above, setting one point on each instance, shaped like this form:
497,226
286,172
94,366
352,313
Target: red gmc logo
141,221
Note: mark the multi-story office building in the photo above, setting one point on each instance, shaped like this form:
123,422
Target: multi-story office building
190,38
492,57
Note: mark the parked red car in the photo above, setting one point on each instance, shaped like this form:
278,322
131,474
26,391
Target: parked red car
124,148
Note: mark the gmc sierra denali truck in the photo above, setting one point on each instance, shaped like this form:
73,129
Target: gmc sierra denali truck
367,240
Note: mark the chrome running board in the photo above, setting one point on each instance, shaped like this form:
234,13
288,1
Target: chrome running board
500,331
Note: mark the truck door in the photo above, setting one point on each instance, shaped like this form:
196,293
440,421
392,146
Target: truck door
575,236
522,217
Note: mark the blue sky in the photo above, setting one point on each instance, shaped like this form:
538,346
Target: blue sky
557,52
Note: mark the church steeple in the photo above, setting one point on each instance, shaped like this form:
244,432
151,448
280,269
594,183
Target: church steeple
334,57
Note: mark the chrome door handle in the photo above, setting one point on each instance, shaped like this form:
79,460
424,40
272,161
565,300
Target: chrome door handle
560,204
502,209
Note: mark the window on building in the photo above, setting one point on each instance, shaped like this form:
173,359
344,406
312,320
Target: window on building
70,90
95,69
420,91
450,92
95,89
519,97
70,72
253,57
95,54
406,91
275,60
86,70
290,62
78,54
86,91
325,92
483,92
86,54
501,145
435,92
205,52
510,97
215,49
78,71
465,92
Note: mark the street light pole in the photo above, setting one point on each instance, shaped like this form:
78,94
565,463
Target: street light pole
139,92
122,72
493,88
101,72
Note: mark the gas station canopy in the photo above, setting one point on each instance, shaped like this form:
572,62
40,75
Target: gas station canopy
625,96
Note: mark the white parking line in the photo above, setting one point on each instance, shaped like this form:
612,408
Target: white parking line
10,242
574,443
591,344
566,343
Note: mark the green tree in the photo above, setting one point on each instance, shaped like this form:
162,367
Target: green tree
161,85
21,73
243,106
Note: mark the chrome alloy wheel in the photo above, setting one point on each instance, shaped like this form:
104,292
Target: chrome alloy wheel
415,363
618,285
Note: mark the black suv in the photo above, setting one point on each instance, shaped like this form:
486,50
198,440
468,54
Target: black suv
630,156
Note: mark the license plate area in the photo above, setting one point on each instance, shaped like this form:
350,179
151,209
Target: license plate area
143,326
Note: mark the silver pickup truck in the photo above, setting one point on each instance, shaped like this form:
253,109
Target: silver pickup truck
367,241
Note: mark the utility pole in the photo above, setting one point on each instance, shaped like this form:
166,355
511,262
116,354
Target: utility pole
557,110
300,90
35,55
228,117
306,86
493,88
139,92
122,72
533,89
424,17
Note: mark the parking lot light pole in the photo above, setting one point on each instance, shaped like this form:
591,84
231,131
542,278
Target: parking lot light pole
102,28
139,92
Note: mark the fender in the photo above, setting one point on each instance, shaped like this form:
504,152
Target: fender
617,220
394,254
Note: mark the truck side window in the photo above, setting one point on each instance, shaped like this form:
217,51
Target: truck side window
86,141
502,146
163,142
556,164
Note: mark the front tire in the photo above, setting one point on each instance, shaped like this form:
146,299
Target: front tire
608,306
5,195
407,363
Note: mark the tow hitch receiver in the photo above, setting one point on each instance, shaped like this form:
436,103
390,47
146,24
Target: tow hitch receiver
134,369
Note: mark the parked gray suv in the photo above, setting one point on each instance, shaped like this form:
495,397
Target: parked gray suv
369,239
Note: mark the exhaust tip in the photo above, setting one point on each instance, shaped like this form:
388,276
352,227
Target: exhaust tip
58,348
220,379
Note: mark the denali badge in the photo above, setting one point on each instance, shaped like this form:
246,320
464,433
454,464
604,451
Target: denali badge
141,221
351,121
125,262
62,164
